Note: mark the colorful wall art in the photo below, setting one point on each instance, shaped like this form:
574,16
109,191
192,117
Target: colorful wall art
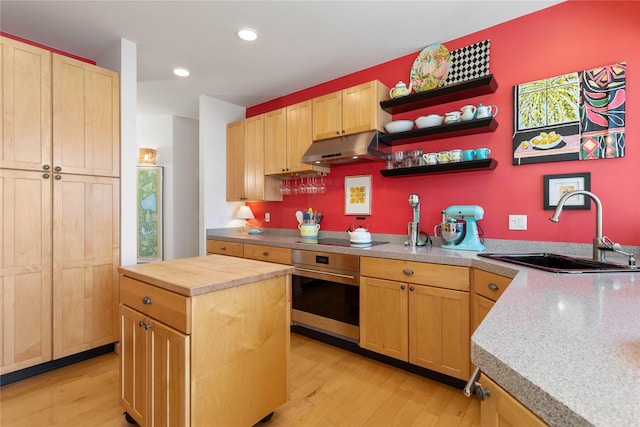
575,116
149,213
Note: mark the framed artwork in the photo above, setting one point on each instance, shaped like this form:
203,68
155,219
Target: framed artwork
357,195
149,189
574,116
556,186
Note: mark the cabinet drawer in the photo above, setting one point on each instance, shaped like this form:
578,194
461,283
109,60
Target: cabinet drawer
225,248
442,276
164,306
268,253
489,285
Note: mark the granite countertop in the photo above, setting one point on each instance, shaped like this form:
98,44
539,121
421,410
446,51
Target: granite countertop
567,346
200,275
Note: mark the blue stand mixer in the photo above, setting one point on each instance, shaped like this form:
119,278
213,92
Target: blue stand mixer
459,228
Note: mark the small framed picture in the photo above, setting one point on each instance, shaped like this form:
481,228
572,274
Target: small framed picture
556,186
357,195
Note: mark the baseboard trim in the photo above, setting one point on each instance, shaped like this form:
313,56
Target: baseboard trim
355,348
31,371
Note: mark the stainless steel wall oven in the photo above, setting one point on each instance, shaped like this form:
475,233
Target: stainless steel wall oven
326,293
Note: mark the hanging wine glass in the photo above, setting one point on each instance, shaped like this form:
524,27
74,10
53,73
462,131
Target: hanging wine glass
303,187
323,187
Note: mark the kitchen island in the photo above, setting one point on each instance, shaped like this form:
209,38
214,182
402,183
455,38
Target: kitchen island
566,346
204,341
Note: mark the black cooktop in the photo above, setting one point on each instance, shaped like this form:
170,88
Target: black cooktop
340,242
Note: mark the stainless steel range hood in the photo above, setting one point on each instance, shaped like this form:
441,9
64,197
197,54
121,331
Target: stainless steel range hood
347,149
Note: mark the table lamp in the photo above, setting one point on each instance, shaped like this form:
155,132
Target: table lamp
245,213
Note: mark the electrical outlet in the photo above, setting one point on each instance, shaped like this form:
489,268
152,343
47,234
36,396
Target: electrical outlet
267,217
517,222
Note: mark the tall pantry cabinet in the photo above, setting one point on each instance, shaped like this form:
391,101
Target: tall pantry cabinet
60,203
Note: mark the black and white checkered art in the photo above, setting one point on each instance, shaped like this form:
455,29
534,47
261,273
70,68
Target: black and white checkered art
469,62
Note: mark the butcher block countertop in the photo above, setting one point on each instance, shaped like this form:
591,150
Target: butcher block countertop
565,345
200,275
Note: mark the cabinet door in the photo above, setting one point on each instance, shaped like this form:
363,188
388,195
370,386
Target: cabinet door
25,94
359,108
86,118
481,307
25,269
235,160
299,134
439,330
503,410
133,364
168,375
384,317
327,116
254,158
86,214
275,142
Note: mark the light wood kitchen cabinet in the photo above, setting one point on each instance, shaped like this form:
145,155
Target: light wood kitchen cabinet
25,269
199,359
288,135
245,163
86,118
416,312
267,253
86,255
155,358
225,248
487,288
60,244
352,110
25,94
500,409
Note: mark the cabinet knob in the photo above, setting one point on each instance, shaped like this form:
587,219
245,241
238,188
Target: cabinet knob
223,248
58,177
337,132
481,392
57,169
265,253
46,167
402,287
493,286
407,271
411,288
147,300
45,175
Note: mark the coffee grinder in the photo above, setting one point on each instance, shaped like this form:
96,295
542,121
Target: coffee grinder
413,227
459,228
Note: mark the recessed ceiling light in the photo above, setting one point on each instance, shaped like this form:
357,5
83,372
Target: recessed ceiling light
247,34
182,72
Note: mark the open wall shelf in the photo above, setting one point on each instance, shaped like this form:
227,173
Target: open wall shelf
441,95
440,132
468,166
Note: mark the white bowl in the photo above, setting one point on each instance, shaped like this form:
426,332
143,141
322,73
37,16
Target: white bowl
429,121
399,126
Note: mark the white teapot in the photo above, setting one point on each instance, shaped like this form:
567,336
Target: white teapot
400,89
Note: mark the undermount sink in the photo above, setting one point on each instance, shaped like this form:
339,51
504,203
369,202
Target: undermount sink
555,263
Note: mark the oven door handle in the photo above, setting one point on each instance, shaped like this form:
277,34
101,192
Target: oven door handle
345,276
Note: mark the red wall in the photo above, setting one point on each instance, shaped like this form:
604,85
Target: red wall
569,37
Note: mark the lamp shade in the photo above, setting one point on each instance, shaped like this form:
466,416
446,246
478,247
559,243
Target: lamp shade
244,212
147,156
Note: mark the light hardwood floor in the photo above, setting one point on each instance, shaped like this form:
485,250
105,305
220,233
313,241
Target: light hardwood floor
329,387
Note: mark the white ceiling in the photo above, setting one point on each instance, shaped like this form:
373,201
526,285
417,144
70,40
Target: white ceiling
300,44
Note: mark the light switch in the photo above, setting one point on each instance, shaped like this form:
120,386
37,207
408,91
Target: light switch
517,222
267,217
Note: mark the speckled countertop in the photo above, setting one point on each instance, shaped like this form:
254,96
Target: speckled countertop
567,346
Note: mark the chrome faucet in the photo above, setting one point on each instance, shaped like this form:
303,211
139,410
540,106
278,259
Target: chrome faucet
599,245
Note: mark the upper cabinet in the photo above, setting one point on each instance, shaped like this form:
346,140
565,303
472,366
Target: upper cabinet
352,110
60,114
86,123
287,135
245,162
25,94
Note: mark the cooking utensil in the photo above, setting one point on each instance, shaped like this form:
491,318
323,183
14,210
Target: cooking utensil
299,217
